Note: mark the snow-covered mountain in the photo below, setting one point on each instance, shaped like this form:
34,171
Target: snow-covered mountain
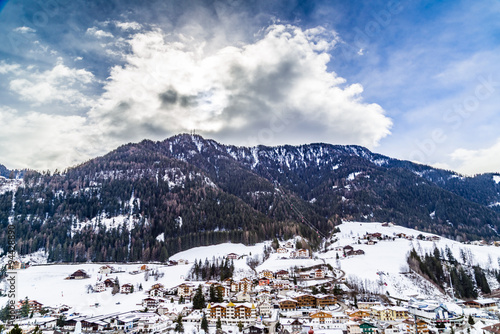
149,200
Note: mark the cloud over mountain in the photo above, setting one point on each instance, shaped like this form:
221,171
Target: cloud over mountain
275,90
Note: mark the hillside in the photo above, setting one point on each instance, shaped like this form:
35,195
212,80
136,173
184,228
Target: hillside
4,171
379,270
150,200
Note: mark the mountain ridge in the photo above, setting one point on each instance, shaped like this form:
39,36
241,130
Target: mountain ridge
198,192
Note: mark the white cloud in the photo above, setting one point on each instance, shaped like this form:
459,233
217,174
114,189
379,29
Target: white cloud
478,161
41,141
24,30
59,84
94,31
238,94
128,25
6,68
275,90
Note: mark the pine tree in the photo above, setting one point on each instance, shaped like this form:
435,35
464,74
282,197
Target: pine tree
60,321
218,324
116,287
481,280
25,308
16,330
337,290
449,255
204,323
471,320
240,326
220,297
179,327
213,294
198,299
5,313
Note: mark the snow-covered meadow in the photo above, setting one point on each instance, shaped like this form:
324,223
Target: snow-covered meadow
380,268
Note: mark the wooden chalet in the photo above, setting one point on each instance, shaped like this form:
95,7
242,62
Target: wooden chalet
127,288
288,305
306,301
109,283
79,274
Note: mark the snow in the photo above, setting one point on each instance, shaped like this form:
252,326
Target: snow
433,214
255,153
220,250
161,237
277,262
178,220
231,153
496,179
382,257
352,176
241,269
47,285
197,142
38,257
174,177
208,181
7,185
380,269
128,221
380,162
259,193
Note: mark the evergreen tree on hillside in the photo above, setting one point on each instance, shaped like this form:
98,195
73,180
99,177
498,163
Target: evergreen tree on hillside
5,313
179,326
16,330
25,308
116,287
220,296
213,294
198,299
204,323
481,280
449,255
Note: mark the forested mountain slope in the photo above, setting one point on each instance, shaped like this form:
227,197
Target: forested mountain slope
149,200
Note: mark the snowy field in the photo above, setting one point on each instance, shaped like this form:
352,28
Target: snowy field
389,257
219,250
47,285
379,268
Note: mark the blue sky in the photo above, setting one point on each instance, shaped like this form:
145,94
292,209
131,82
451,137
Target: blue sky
415,80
